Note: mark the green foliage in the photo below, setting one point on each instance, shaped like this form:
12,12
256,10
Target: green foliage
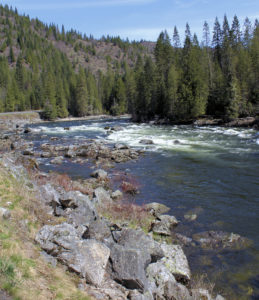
220,77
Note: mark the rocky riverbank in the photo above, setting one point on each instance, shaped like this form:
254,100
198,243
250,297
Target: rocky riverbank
252,122
120,250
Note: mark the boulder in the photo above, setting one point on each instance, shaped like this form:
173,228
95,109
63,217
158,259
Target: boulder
177,142
85,257
158,274
27,130
137,239
146,142
164,224
219,297
46,154
176,262
78,208
100,174
156,208
5,213
176,291
49,195
57,160
29,152
117,195
117,128
129,265
136,295
220,239
97,230
121,146
101,196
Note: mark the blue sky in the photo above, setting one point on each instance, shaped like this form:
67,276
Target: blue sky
135,19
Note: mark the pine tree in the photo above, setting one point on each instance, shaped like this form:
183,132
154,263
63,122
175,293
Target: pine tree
81,95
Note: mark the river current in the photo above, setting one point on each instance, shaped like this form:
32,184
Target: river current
211,171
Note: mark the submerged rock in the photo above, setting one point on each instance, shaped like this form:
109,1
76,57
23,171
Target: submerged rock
220,239
156,208
146,142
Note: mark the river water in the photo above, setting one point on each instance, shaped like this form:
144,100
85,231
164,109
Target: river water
213,171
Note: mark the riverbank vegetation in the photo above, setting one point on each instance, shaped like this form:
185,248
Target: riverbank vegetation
24,273
43,67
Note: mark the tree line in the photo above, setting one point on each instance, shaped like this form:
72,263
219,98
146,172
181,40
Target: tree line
217,76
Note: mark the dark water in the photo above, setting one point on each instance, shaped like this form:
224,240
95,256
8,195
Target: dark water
213,170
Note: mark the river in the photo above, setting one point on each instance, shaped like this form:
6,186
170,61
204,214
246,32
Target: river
213,171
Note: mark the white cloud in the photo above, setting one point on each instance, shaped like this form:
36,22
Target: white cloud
84,4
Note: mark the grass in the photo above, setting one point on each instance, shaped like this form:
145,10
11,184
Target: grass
125,212
24,274
30,115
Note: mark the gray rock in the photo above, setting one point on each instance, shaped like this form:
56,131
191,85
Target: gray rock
129,266
82,211
5,213
159,274
57,160
156,208
29,152
85,257
182,239
146,142
117,195
98,230
100,174
121,146
101,196
164,224
50,195
137,239
117,128
49,259
176,291
74,199
190,217
219,297
136,295
176,262
46,154
27,130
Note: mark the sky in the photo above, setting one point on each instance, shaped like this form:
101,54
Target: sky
135,19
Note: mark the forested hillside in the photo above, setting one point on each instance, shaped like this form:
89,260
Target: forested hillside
61,72
44,67
219,77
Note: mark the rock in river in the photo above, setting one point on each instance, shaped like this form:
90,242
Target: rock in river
220,239
164,224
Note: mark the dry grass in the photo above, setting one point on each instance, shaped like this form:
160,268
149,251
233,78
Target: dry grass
24,274
30,115
125,212
201,282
